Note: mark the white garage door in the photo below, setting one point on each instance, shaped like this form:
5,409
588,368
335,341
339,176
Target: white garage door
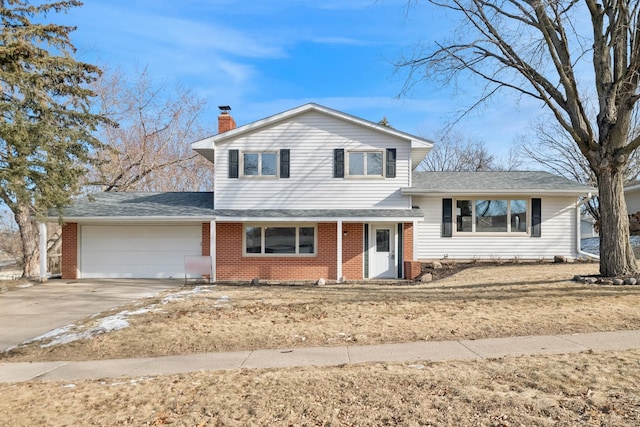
156,251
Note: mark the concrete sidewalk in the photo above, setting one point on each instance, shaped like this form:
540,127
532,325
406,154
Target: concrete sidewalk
320,356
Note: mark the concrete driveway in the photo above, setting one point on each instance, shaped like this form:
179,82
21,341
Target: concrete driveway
29,312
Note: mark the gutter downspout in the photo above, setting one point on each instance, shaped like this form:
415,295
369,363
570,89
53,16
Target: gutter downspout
578,239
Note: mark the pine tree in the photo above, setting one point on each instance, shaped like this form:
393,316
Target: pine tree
46,131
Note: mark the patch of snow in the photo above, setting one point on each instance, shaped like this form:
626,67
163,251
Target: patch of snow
52,334
69,386
182,295
25,285
592,244
71,333
132,381
112,323
222,302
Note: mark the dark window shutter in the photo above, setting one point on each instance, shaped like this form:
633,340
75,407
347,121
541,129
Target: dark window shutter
234,163
284,163
447,217
536,217
391,162
338,163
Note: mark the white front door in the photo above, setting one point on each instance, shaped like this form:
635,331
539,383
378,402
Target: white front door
383,252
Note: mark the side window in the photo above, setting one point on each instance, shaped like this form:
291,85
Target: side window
495,216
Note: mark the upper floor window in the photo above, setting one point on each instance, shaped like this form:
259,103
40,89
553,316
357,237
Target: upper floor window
259,164
364,163
274,164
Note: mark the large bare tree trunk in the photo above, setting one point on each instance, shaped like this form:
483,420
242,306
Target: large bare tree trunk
29,236
616,254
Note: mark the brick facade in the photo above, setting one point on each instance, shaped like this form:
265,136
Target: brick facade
407,238
69,267
206,238
232,265
412,269
352,251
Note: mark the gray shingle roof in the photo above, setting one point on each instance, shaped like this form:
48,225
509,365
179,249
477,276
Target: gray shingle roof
171,204
477,182
200,204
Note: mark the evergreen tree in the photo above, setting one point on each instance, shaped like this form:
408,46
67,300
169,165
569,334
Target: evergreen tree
46,141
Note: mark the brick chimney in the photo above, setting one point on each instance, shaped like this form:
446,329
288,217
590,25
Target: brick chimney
225,121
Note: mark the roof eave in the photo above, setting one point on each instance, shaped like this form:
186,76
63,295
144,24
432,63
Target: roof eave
318,219
114,219
418,192
328,111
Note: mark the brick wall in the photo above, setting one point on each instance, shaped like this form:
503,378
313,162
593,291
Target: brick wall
407,238
231,265
206,238
69,268
352,255
412,269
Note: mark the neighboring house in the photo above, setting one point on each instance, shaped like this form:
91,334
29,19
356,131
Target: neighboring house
632,197
587,226
315,193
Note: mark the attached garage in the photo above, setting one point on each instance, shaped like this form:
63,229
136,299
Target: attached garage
135,235
137,251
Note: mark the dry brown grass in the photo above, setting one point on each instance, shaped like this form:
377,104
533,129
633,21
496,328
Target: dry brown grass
592,389
586,389
482,302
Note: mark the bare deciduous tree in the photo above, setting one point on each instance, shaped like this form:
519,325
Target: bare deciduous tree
150,150
559,53
453,151
552,148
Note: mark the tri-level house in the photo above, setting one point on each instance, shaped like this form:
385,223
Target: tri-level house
316,193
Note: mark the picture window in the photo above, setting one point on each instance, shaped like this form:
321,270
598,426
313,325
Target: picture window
279,240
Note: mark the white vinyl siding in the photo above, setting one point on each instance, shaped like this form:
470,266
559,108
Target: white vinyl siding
633,201
137,251
312,137
558,235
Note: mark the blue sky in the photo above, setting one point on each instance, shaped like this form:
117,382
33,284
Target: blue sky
262,57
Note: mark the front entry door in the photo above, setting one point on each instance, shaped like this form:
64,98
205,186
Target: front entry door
383,254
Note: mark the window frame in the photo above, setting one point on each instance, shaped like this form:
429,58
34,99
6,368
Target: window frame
260,175
263,226
474,218
365,175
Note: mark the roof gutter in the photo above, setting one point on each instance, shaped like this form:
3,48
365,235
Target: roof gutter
115,219
426,193
317,219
